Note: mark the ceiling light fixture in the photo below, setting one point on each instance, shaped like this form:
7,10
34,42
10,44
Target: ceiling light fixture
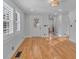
55,3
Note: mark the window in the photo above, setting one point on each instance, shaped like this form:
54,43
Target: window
17,20
7,19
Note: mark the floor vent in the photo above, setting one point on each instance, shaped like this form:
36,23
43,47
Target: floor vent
18,54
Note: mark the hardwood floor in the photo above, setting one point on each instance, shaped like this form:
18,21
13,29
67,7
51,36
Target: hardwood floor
44,48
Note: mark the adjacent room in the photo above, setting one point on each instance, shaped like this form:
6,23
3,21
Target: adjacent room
39,29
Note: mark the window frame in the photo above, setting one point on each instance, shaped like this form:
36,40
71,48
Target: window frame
17,20
7,17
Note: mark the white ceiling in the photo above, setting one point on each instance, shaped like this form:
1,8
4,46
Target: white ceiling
43,6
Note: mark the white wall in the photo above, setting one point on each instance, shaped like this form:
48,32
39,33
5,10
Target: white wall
72,16
13,39
39,31
61,25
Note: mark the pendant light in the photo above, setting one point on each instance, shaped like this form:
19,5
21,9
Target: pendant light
54,3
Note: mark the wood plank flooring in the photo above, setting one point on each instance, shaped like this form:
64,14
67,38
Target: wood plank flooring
44,48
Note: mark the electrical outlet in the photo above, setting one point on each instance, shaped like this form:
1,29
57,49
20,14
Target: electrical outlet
70,25
12,48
